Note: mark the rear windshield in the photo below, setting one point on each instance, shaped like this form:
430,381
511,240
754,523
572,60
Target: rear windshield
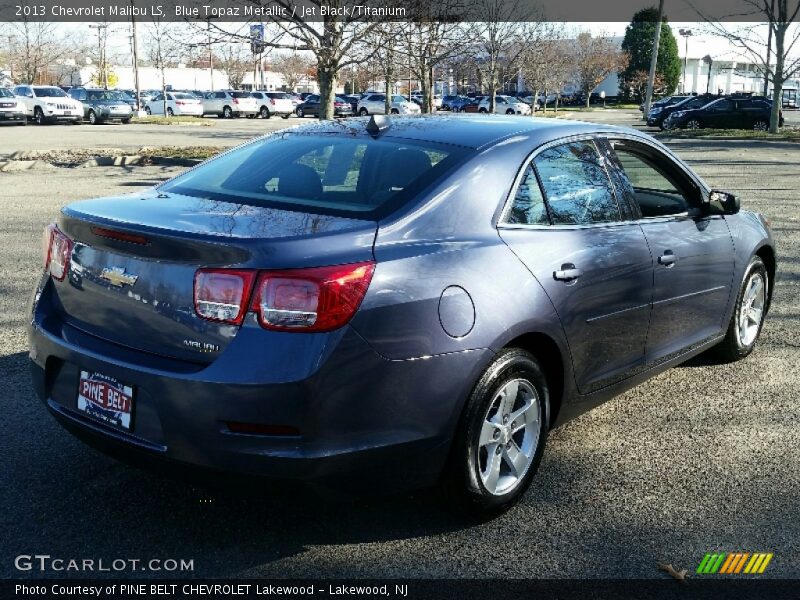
279,96
183,96
320,174
240,94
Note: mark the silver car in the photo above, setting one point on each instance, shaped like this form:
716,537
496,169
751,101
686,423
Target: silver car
375,104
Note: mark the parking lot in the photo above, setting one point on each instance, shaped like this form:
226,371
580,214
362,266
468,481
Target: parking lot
702,458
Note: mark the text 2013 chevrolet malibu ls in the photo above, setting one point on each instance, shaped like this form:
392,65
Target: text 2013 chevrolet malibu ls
409,301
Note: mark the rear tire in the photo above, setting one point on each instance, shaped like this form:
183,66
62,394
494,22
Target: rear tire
760,125
227,113
148,111
170,112
748,314
92,117
482,110
694,124
300,113
363,112
265,112
501,436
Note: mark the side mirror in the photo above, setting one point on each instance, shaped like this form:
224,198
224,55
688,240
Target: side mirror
729,202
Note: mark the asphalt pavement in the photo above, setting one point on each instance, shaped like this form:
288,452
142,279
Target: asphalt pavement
702,458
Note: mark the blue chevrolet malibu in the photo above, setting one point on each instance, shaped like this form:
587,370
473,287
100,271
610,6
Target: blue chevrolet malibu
401,302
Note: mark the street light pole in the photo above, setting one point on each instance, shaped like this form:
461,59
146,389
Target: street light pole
135,59
653,61
686,33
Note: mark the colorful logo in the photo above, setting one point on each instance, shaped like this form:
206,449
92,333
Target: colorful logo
734,563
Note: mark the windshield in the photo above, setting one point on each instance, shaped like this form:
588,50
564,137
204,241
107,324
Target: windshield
48,92
322,174
4,93
399,99
101,95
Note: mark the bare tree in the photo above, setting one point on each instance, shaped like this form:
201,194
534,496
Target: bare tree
234,59
430,41
548,63
32,48
637,84
335,42
501,40
782,33
293,67
385,62
163,51
595,59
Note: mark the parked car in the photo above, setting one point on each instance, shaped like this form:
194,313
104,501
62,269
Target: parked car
353,100
473,105
505,105
659,114
310,107
448,100
129,96
458,103
665,101
230,103
48,104
100,106
178,104
313,305
375,104
726,113
12,109
273,103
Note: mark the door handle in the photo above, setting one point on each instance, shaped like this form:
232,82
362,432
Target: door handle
568,272
667,259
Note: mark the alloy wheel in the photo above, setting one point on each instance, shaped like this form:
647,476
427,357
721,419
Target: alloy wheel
751,311
509,436
170,112
265,112
92,117
760,125
300,113
693,124
227,112
38,116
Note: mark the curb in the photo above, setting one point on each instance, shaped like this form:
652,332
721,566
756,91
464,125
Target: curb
13,164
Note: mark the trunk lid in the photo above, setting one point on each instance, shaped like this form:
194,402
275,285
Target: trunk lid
139,293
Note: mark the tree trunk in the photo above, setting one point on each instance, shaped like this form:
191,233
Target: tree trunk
164,90
425,87
326,77
387,106
777,80
588,97
492,91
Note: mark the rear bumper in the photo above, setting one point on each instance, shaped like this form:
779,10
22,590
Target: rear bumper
12,116
361,418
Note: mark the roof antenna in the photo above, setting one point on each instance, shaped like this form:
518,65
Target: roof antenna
378,124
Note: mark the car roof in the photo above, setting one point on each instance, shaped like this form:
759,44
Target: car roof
472,131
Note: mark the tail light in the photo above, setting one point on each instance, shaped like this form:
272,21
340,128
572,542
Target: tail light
222,294
272,101
180,102
306,300
235,100
56,251
311,300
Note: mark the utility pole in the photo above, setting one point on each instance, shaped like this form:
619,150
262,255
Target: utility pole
135,58
101,45
686,34
210,53
653,61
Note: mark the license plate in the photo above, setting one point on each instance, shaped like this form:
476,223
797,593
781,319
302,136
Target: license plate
105,399
67,112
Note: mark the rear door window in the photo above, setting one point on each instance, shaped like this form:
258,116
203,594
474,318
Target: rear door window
576,185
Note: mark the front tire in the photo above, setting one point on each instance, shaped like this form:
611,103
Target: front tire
694,124
38,116
760,125
482,110
170,112
363,112
148,111
92,117
501,435
300,113
748,314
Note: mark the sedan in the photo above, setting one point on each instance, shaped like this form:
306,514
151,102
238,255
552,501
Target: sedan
178,104
390,303
507,105
375,104
311,106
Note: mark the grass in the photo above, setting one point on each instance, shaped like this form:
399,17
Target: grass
154,120
787,134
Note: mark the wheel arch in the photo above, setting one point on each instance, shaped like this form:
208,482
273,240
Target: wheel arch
548,354
767,254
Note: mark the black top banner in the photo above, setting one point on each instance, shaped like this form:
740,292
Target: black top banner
316,11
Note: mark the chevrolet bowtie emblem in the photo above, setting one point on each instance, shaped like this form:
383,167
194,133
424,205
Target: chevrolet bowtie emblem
117,277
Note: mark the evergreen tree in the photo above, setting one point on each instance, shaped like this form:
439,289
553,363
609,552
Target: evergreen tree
638,43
